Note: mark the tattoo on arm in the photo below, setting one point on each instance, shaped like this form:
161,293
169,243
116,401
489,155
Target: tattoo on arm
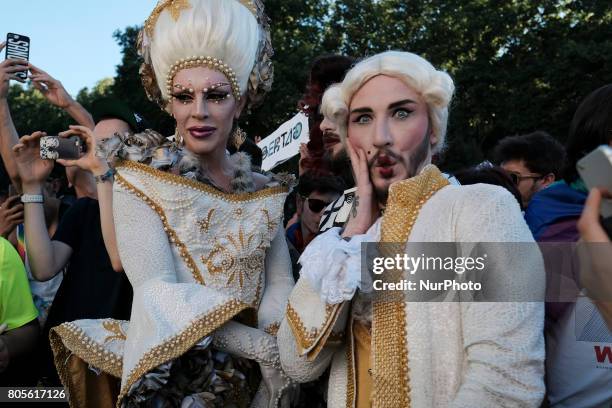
355,205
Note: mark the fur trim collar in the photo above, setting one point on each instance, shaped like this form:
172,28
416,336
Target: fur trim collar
151,148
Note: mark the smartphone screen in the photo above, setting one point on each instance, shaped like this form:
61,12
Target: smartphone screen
18,47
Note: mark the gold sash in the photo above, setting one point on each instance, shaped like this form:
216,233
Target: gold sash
390,369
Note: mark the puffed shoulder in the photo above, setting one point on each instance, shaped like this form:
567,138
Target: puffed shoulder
485,212
479,192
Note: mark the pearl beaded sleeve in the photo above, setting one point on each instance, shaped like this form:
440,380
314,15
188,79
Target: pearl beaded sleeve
278,282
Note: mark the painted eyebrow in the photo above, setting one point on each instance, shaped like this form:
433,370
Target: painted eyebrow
211,87
361,110
391,106
400,103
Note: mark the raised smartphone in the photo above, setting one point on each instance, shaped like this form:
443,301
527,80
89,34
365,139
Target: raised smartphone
55,147
595,169
18,47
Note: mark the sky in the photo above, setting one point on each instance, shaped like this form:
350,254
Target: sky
73,40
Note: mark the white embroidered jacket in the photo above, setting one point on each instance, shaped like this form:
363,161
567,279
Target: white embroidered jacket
196,258
458,354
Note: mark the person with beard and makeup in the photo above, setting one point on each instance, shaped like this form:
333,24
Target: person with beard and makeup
325,71
317,155
338,212
392,110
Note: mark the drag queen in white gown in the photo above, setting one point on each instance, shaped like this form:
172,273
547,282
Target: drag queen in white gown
200,236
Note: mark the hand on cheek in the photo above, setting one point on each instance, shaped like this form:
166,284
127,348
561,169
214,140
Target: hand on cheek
356,144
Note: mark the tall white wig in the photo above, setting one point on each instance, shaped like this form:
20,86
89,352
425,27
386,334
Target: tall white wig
435,87
231,36
221,29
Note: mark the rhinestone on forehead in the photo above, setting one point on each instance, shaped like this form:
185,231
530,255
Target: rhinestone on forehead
210,62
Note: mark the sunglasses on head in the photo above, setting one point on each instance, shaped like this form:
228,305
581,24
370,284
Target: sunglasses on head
316,205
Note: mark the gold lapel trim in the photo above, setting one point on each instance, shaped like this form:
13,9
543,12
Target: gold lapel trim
350,368
306,338
390,374
68,340
172,235
196,185
272,328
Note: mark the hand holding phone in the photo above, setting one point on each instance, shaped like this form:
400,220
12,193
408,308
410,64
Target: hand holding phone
56,147
33,171
595,169
18,48
87,161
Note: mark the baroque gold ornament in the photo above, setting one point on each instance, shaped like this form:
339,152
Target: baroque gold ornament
238,138
176,6
173,6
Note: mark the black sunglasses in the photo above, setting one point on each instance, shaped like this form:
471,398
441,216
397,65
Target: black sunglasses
316,205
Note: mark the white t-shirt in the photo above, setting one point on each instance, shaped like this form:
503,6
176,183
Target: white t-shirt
579,358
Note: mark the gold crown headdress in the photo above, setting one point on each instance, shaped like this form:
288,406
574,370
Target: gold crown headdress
260,79
176,6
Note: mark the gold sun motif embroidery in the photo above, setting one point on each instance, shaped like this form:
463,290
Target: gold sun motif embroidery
239,260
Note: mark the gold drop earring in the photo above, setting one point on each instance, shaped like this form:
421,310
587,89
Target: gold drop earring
177,136
238,137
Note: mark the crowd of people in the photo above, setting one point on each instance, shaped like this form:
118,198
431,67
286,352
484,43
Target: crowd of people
171,271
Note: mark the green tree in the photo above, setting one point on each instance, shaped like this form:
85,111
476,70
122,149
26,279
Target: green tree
101,89
297,36
128,87
31,112
517,66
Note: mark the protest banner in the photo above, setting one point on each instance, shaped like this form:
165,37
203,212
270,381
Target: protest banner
284,142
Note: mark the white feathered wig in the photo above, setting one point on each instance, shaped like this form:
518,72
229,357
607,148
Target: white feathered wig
233,32
436,88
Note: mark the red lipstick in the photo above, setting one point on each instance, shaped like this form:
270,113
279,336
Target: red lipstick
201,132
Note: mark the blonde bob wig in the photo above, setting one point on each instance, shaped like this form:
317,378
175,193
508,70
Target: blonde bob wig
223,29
435,87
